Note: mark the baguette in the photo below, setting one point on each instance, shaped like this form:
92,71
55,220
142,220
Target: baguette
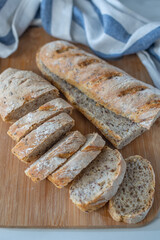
99,182
136,193
34,119
55,157
78,161
105,85
119,130
37,142
22,92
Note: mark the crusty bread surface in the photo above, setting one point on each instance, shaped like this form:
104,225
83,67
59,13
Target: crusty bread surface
37,142
119,130
22,92
107,85
34,119
55,156
99,182
80,160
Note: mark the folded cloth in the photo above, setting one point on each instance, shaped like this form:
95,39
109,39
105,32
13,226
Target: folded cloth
108,27
15,17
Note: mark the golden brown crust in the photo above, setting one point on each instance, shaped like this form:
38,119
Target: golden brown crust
32,146
56,156
116,139
92,148
34,119
106,84
86,154
70,99
22,92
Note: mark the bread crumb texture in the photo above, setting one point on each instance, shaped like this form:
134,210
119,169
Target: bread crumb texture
98,177
135,195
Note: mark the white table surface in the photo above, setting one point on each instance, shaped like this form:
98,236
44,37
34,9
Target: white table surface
151,10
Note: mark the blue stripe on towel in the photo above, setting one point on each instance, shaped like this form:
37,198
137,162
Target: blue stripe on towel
46,14
145,42
111,26
2,3
78,17
8,39
139,45
37,16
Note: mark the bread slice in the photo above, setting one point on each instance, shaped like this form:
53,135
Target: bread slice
78,161
119,130
34,119
32,146
136,193
55,156
22,92
99,182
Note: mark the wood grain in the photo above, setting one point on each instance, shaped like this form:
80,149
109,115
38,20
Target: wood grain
26,204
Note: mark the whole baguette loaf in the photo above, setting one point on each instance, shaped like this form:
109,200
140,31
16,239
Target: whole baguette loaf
22,92
37,142
80,160
34,119
99,182
107,85
135,196
55,156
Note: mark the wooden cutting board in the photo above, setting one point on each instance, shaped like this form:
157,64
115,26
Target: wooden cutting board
26,204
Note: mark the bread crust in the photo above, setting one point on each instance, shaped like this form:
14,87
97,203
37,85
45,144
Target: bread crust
106,196
56,156
107,85
115,139
87,153
22,92
141,214
34,119
102,198
130,219
31,147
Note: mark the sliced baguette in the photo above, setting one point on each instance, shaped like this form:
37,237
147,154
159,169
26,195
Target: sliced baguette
136,193
22,92
119,130
32,146
56,156
99,182
34,119
78,161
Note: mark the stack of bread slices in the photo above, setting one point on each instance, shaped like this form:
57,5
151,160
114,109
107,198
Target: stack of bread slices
42,130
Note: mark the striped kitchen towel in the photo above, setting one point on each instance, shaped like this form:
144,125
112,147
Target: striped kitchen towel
108,27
